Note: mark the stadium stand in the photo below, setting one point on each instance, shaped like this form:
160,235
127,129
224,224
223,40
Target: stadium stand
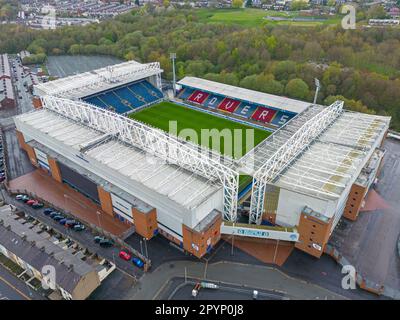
245,110
127,98
237,107
263,114
198,97
229,105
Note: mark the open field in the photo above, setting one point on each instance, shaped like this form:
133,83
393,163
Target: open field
161,114
257,17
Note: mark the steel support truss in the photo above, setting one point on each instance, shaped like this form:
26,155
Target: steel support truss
307,133
154,142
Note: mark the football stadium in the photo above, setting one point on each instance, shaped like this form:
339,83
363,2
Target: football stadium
206,160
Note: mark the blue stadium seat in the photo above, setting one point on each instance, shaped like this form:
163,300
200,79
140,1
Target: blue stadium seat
213,101
113,101
281,118
245,110
151,89
185,93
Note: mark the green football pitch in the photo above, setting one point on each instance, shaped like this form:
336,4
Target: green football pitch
189,125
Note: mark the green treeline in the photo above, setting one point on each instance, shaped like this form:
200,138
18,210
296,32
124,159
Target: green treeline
361,66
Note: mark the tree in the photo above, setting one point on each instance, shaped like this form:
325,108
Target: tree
237,3
297,88
376,12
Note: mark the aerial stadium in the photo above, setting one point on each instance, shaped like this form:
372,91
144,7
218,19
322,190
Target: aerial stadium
107,133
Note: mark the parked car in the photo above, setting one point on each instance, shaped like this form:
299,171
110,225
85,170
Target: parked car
37,205
63,221
137,262
58,218
78,227
70,223
30,202
97,239
106,243
2,178
47,211
53,214
19,197
124,255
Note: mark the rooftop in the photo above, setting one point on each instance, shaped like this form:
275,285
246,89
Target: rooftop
184,187
87,83
327,166
38,250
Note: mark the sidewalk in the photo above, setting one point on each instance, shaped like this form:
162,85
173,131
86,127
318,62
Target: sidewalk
256,277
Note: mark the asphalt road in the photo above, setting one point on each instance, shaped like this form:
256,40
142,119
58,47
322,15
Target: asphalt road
178,289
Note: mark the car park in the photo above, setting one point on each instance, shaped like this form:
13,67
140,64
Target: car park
124,255
137,262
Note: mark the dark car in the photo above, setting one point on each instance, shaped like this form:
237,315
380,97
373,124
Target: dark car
47,211
53,214
63,221
58,218
106,243
37,205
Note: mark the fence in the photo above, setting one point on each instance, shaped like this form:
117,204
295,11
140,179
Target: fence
90,226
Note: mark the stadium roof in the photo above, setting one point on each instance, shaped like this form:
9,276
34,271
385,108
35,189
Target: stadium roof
182,186
255,97
88,83
327,166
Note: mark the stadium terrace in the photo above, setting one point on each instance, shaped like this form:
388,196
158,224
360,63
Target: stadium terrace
104,133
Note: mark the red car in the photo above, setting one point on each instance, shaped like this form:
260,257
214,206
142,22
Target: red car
31,202
125,255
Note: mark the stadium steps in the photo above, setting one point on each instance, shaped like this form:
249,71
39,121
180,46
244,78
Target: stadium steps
137,96
127,95
123,101
149,89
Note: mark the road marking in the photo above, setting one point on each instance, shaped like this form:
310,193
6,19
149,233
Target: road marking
15,289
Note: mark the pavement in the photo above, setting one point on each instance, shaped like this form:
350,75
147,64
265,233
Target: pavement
370,243
62,66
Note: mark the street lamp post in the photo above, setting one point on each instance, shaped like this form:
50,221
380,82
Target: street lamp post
98,218
318,86
173,57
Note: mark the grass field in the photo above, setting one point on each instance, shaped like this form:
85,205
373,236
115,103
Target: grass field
161,114
255,17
